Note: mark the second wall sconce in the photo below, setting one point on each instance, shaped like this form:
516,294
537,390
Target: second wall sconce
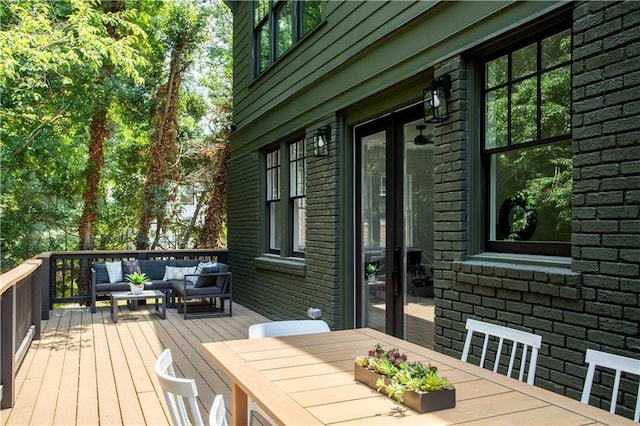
323,137
436,100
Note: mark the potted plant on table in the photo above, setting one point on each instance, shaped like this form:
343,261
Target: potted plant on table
414,384
136,282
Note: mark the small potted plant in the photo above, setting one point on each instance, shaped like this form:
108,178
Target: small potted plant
414,384
371,272
136,282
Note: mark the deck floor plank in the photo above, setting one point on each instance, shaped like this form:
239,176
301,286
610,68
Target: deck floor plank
87,370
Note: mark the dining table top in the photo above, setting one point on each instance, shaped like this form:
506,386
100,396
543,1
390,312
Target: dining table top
309,380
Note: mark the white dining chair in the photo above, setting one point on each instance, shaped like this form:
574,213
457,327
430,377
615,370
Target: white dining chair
287,328
280,329
176,390
502,333
618,363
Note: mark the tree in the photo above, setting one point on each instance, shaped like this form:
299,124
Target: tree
185,24
51,56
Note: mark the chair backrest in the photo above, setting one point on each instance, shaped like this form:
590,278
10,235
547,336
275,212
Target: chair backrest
505,333
176,390
287,328
614,362
217,414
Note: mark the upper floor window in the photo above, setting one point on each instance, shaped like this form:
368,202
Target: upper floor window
278,25
527,150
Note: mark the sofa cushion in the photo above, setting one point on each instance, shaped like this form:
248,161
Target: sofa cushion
114,270
101,272
181,263
108,287
207,280
129,267
177,272
153,268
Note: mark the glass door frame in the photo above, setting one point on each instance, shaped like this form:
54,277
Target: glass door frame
395,251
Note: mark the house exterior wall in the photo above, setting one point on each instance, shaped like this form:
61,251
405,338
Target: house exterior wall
370,57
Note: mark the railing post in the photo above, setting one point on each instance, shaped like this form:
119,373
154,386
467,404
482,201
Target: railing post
45,279
37,280
8,346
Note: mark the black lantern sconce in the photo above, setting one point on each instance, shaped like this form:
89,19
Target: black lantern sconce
436,100
323,137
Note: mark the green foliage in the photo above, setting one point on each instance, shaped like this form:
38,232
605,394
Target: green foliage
62,60
137,278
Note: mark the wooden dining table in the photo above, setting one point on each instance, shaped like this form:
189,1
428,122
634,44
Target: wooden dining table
308,380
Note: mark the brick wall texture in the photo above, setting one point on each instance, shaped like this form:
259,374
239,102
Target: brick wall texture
595,304
278,287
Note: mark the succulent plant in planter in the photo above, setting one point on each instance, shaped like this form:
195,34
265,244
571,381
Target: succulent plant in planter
397,377
136,281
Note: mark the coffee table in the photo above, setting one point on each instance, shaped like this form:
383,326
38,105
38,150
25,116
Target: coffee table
146,294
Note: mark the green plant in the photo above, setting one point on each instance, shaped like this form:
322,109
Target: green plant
371,269
137,278
399,375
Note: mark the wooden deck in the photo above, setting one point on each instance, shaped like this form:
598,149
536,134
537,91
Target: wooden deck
88,370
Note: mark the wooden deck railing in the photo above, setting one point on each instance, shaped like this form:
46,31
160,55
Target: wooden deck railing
19,321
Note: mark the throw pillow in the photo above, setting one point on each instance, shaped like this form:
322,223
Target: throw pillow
177,272
129,267
114,269
207,281
199,269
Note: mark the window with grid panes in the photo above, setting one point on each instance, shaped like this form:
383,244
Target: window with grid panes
278,25
527,152
273,200
297,196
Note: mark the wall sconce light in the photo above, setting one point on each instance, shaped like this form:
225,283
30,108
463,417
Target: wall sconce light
436,100
323,137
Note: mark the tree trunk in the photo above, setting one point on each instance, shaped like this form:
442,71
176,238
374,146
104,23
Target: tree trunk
210,235
99,133
163,153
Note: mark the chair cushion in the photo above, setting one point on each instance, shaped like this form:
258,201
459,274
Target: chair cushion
101,272
178,287
114,270
207,280
222,279
157,285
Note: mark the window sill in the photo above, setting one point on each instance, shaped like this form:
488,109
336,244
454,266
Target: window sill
547,275
523,259
287,265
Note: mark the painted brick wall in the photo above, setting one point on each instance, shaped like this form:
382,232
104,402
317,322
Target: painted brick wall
596,303
289,285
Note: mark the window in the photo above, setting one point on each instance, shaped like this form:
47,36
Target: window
297,192
287,218
273,200
278,25
527,152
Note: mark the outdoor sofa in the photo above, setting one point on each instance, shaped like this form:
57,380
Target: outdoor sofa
179,279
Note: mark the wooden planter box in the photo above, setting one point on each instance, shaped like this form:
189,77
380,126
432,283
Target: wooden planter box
422,402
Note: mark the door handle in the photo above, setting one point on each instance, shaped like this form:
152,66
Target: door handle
397,251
